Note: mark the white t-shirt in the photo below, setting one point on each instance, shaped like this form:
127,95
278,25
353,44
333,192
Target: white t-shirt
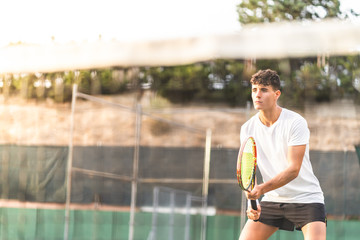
272,144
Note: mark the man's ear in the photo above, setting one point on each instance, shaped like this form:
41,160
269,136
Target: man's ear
277,93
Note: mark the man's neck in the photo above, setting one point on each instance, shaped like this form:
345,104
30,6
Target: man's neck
268,118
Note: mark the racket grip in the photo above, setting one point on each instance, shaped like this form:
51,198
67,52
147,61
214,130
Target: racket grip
254,204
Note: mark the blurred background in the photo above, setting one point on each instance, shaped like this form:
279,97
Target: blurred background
122,121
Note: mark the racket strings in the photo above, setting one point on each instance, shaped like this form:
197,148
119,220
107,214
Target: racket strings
248,164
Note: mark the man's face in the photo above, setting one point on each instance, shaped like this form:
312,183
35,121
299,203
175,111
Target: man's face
264,97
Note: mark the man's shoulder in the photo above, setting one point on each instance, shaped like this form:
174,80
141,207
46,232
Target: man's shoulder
250,121
290,114
294,120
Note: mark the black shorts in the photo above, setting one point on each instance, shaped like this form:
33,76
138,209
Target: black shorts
287,216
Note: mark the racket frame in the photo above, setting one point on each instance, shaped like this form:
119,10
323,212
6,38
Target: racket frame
238,166
238,170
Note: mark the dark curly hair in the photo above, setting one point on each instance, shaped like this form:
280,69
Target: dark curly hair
266,77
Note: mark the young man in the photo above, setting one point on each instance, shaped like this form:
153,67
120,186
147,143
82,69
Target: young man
292,194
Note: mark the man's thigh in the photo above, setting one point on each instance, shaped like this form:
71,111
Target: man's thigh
314,231
256,231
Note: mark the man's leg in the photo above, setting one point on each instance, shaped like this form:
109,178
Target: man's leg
314,231
256,231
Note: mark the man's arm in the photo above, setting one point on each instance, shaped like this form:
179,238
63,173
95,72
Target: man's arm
295,157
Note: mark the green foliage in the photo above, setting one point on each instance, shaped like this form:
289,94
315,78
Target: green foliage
218,80
58,85
68,79
84,81
112,81
180,83
315,86
236,89
107,84
345,70
262,11
304,79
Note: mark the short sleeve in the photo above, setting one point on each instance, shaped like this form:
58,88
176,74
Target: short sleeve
299,133
242,135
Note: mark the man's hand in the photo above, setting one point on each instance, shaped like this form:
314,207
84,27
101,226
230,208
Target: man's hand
253,214
256,193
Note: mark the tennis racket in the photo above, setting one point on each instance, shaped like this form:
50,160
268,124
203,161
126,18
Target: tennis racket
246,167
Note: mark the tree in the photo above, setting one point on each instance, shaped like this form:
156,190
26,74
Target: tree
303,79
179,83
262,11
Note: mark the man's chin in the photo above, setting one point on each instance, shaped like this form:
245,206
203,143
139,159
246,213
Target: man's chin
257,107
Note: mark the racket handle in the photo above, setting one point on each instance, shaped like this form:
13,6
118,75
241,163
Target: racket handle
253,204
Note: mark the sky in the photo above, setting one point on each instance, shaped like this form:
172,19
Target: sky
45,21
39,20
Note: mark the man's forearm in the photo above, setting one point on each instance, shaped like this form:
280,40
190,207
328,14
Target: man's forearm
279,180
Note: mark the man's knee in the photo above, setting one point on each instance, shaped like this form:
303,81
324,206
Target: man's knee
314,231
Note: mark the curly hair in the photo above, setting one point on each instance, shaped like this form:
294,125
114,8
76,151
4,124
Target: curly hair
266,77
